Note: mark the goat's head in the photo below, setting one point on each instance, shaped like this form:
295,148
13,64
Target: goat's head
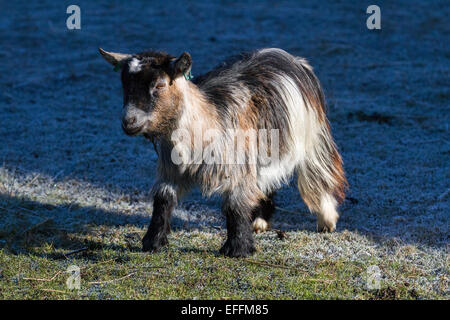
151,97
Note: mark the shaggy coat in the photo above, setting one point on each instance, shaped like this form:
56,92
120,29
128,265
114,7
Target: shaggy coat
268,90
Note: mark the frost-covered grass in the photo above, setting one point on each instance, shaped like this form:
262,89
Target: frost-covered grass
70,179
304,266
100,233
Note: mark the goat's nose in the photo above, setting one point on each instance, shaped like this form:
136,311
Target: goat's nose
129,121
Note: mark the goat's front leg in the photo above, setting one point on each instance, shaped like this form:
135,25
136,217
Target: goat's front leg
240,242
165,199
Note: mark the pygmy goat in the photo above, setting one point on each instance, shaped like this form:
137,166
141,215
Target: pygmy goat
267,90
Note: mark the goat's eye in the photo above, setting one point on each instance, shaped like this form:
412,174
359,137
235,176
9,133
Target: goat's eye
160,85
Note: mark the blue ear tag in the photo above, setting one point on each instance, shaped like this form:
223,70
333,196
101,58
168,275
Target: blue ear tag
189,76
117,67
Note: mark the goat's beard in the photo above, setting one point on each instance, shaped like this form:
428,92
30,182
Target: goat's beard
152,136
149,136
153,139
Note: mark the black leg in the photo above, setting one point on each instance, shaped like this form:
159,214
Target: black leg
240,242
159,228
265,209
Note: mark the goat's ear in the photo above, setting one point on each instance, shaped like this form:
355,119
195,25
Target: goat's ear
181,66
116,59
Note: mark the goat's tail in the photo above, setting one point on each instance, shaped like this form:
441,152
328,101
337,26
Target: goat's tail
321,173
322,183
321,177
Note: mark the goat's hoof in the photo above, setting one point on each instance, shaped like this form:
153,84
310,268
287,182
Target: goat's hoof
237,251
325,226
260,225
153,245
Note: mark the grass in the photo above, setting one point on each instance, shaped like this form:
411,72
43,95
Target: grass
44,231
112,267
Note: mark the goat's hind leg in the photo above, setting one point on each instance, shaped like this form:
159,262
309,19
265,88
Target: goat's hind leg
327,215
319,201
263,213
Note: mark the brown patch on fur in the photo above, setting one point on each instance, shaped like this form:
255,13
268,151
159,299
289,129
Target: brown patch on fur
320,109
257,105
317,102
314,94
341,183
166,111
248,119
339,176
310,197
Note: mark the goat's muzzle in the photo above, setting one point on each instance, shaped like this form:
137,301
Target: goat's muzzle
129,126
